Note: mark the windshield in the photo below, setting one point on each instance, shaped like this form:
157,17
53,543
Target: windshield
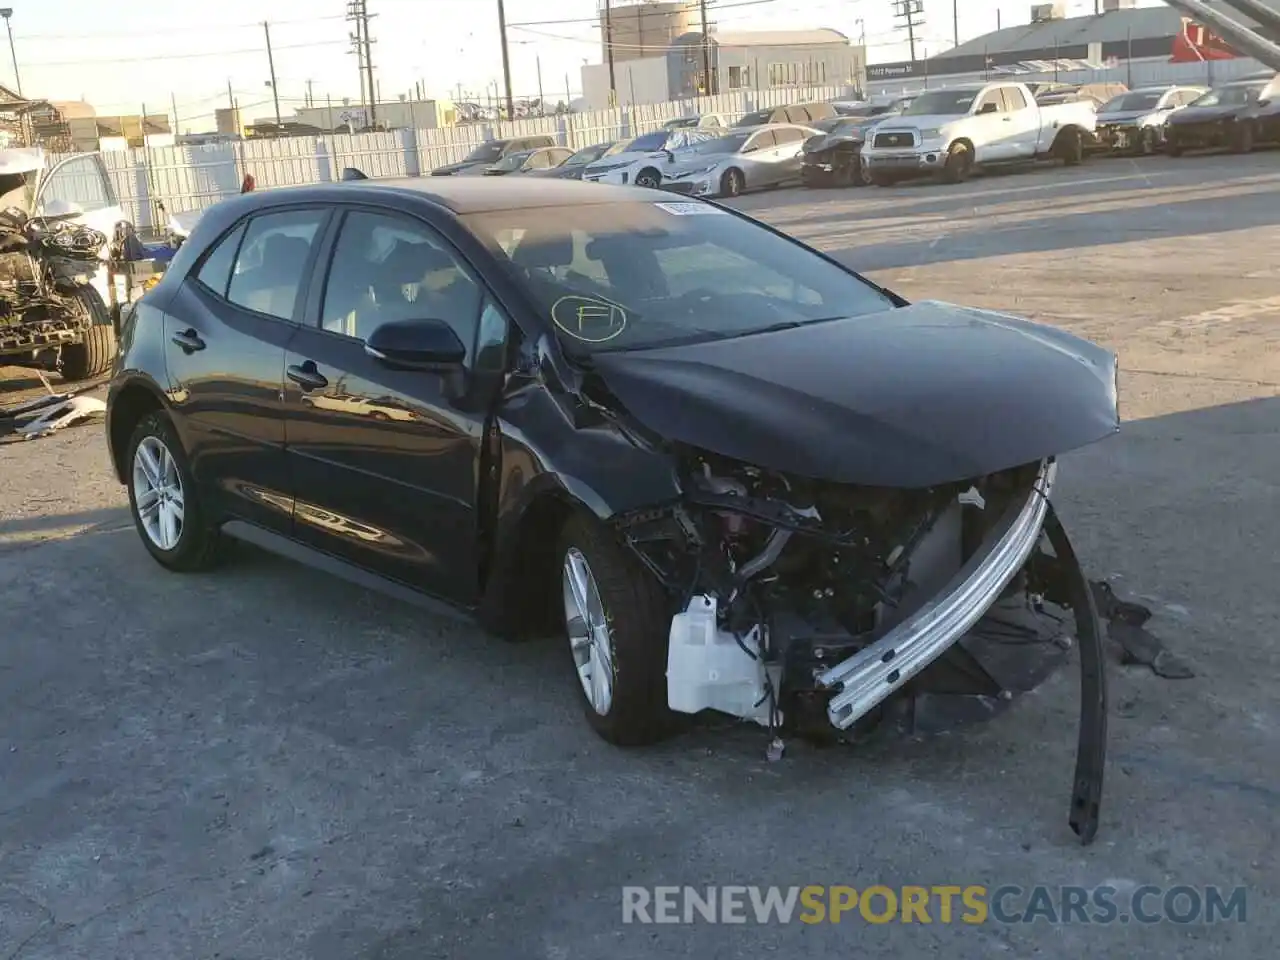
588,155
729,144
511,162
1234,96
754,119
942,103
487,152
640,274
1133,101
650,141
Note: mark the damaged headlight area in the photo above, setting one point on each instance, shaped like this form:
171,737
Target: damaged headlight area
819,610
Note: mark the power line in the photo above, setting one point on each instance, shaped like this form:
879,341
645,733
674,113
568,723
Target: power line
172,31
178,56
692,6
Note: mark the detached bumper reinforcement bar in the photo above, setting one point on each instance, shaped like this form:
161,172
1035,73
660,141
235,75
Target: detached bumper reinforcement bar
871,675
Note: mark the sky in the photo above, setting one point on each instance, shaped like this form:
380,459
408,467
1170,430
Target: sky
120,57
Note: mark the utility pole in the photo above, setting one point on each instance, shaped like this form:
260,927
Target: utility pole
311,100
506,60
358,13
911,14
541,101
708,86
174,101
608,51
271,64
955,15
7,12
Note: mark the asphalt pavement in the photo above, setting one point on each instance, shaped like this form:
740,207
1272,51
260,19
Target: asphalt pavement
264,762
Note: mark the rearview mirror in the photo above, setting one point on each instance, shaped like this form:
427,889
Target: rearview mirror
988,108
416,345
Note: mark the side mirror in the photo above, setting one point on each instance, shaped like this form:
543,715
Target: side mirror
1263,103
416,345
988,108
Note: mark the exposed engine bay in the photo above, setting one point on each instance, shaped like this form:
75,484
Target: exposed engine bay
820,610
45,266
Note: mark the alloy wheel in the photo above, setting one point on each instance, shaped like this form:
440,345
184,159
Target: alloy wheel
590,639
158,493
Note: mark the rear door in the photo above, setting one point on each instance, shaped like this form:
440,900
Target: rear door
383,462
758,156
225,335
789,153
79,189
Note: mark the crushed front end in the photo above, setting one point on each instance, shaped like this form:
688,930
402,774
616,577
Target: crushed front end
821,610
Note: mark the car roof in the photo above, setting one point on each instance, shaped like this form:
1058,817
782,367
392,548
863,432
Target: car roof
460,195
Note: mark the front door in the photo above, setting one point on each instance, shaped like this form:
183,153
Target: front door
79,190
993,136
1023,121
384,464
236,312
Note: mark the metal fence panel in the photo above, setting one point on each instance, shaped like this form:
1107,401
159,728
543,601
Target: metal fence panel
194,177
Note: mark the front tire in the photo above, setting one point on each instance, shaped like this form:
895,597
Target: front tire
617,622
959,164
648,177
93,355
733,183
164,500
862,175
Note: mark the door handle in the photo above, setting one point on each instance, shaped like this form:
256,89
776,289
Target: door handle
1007,119
307,376
188,340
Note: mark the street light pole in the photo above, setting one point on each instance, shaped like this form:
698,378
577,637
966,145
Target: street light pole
7,12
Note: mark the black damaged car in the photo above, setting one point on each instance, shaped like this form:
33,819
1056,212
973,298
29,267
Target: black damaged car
1238,115
835,158
731,473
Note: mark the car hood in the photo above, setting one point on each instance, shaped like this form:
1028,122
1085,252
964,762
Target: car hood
620,160
1127,116
699,162
1203,114
909,397
922,122
559,173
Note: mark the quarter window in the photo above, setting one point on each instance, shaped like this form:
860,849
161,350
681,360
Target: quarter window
272,264
216,271
386,269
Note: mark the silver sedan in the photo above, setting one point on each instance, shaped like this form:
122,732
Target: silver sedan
750,159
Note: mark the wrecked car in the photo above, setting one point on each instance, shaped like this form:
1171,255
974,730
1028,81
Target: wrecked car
56,226
733,474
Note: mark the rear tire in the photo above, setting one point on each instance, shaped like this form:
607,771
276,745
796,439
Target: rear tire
636,627
1071,148
96,352
194,544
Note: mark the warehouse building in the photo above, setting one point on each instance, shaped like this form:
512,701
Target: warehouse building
759,60
1131,45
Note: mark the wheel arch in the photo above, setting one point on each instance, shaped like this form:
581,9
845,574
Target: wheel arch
127,405
1060,138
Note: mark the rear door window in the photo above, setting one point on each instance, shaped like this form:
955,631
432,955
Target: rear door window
271,266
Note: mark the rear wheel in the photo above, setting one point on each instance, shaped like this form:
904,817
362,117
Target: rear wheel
617,624
1071,148
96,352
648,177
164,501
732,183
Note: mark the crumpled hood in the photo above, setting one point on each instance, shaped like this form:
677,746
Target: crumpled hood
829,140
909,397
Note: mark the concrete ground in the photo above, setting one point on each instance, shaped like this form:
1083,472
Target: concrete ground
264,762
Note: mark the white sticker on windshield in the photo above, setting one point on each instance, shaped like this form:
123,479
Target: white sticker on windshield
689,209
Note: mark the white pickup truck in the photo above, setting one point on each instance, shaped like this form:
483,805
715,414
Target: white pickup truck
949,132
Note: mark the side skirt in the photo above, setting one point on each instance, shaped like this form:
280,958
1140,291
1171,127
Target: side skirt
281,545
